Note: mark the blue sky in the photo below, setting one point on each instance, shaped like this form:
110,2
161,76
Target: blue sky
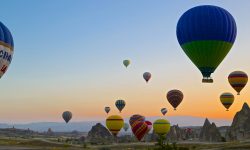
68,55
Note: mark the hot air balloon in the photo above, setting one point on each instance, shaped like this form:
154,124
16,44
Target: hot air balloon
238,80
120,104
147,76
114,123
125,126
227,100
164,111
174,98
161,126
149,126
126,63
140,129
6,48
67,115
135,118
107,109
206,34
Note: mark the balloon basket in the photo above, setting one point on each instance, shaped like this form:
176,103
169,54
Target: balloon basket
207,80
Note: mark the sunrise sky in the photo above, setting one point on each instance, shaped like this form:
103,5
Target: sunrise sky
68,56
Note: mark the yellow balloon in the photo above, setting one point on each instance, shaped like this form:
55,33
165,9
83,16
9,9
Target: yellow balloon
114,123
161,126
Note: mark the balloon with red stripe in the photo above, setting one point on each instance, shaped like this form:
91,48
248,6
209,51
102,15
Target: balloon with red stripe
164,111
114,123
140,129
238,80
227,99
6,48
135,118
147,76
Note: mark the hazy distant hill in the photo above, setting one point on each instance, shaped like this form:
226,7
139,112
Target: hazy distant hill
86,126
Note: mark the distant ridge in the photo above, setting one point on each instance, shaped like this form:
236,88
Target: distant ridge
85,126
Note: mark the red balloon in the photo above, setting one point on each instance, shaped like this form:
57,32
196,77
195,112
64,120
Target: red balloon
140,129
135,118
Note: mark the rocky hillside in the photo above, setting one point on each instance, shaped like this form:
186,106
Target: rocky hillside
99,135
240,128
209,132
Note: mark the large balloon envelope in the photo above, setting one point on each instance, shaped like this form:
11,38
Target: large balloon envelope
147,76
175,97
227,100
126,63
161,126
206,34
238,80
135,118
140,129
114,123
6,48
120,104
107,109
67,115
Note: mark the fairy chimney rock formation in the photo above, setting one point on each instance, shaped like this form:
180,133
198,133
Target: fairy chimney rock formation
209,132
240,128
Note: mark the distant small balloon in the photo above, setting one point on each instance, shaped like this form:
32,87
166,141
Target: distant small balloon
147,76
140,129
67,115
126,63
227,100
120,104
107,109
175,97
164,111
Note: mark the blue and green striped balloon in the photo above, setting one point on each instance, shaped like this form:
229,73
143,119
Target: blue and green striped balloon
206,34
120,104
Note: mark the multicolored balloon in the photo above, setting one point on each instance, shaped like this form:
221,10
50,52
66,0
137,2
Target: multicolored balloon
107,109
175,97
227,100
6,48
125,126
149,126
114,123
161,126
135,118
147,76
126,63
120,104
206,34
164,111
140,129
238,80
67,115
